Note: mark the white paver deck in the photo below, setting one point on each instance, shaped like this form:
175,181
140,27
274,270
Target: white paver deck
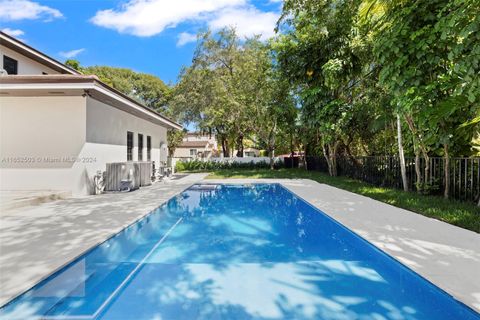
36,242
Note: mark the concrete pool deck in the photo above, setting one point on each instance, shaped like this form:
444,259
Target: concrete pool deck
36,241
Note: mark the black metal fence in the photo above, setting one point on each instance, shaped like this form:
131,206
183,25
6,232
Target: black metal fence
385,171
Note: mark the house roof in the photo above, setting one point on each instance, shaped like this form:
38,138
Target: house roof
193,144
34,54
66,85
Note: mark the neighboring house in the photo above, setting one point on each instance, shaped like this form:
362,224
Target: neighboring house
197,145
58,127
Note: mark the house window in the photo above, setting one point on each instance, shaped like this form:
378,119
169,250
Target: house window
140,147
193,152
149,148
129,146
249,154
10,65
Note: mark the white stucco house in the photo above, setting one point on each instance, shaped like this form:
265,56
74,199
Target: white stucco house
197,145
59,127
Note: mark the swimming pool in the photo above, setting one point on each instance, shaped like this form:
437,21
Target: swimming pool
235,252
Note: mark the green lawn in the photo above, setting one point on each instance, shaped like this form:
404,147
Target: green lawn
465,215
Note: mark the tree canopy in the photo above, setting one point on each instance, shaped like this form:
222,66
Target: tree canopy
234,89
146,88
357,65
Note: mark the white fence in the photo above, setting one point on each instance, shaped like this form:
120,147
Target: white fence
241,160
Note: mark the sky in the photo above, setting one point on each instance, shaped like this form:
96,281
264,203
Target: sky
151,36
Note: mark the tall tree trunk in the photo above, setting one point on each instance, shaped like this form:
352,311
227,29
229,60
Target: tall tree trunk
422,146
271,145
305,163
426,177
446,191
418,171
333,163
330,154
327,158
240,146
225,149
292,152
271,154
401,154
419,185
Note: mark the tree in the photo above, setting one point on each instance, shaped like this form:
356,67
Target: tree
74,64
401,154
147,89
175,139
273,105
428,51
231,89
200,98
320,56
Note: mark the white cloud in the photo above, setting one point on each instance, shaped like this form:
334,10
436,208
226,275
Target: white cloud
11,10
248,21
185,37
13,32
72,53
150,17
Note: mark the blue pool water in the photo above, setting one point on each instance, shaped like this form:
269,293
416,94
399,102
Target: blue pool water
236,252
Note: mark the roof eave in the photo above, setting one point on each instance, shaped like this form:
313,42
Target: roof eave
85,83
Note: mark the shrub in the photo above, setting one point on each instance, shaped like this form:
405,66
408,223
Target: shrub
197,165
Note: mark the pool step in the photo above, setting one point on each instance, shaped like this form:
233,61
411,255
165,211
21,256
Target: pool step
204,187
100,285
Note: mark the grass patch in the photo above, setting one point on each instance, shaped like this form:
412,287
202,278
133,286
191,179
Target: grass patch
462,214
